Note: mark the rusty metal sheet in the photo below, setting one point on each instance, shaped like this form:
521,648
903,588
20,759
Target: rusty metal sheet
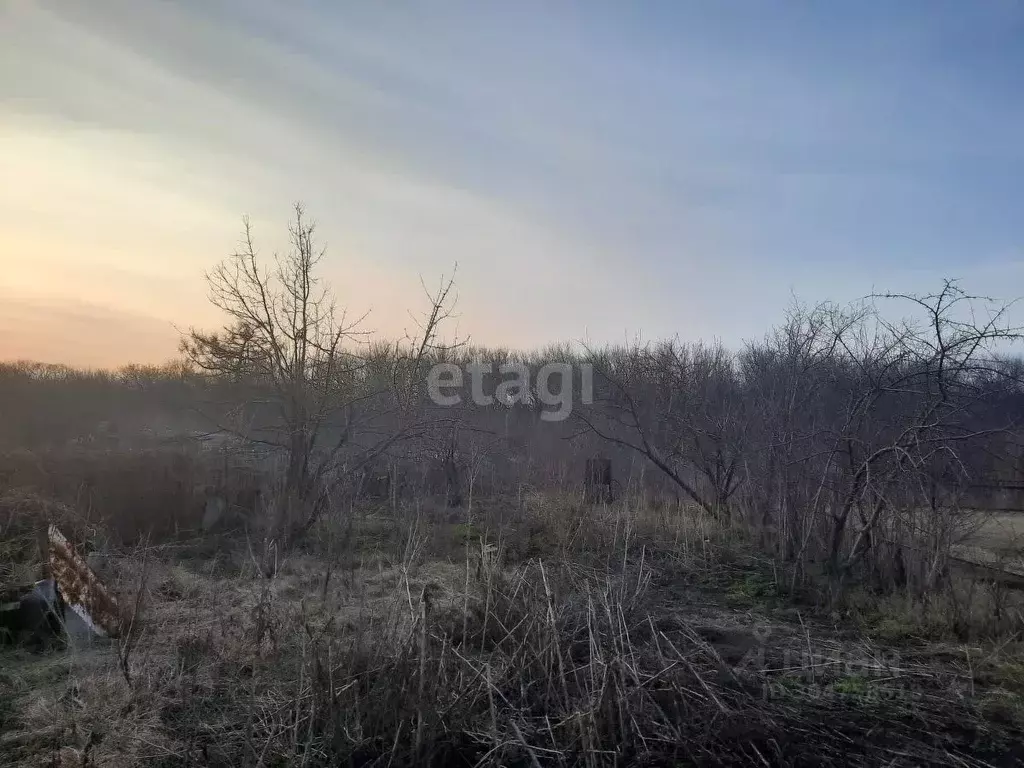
82,592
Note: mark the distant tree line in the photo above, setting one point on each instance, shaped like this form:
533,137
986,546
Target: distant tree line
850,442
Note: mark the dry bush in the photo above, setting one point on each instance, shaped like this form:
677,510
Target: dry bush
24,517
158,495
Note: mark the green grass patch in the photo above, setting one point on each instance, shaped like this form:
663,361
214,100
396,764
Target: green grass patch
856,686
752,589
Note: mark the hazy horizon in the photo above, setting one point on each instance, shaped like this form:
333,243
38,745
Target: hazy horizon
598,171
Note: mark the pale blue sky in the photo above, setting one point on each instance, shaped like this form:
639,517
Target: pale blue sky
599,170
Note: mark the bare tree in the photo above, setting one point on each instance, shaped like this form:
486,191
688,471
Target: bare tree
869,429
917,407
302,364
676,405
846,437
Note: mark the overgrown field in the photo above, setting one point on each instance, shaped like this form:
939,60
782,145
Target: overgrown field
534,630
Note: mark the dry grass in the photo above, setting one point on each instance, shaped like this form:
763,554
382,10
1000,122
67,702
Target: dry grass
532,632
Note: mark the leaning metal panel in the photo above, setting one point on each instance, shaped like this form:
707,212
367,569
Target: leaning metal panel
82,591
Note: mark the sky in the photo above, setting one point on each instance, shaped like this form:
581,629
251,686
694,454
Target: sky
601,171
